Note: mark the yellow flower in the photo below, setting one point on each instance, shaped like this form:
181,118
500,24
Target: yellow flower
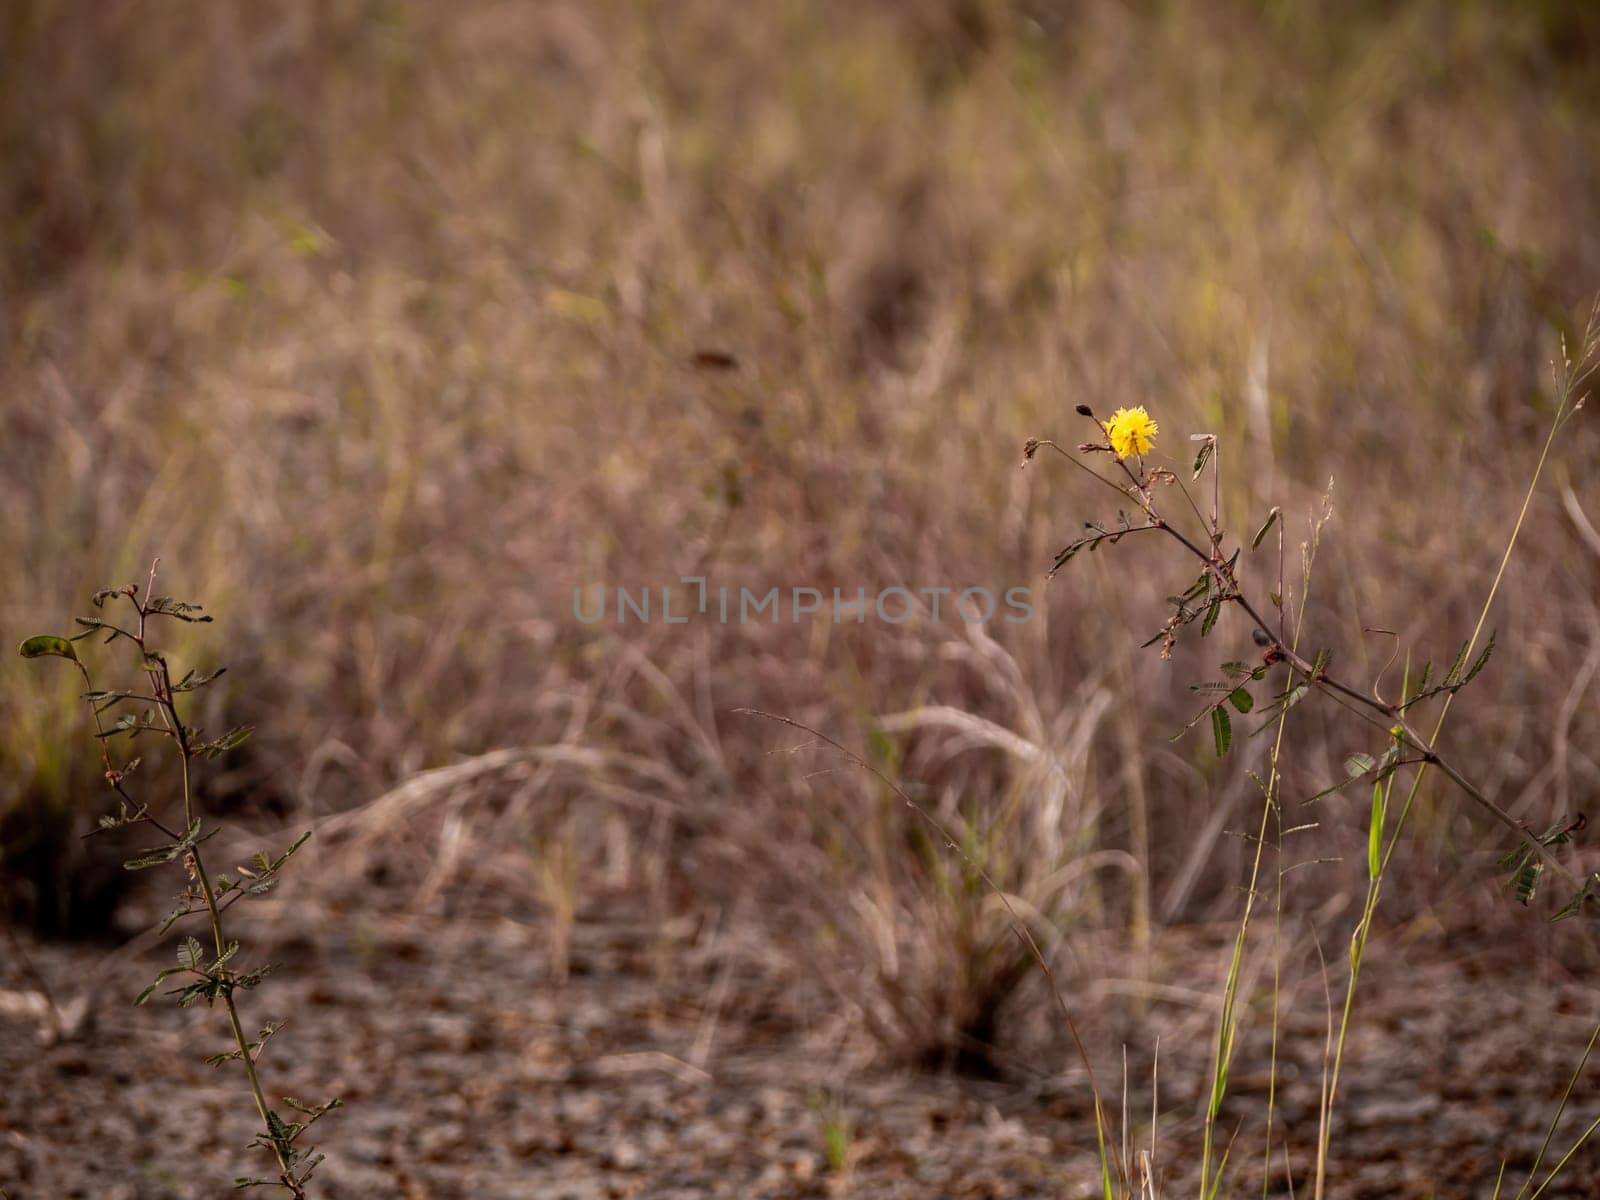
1131,431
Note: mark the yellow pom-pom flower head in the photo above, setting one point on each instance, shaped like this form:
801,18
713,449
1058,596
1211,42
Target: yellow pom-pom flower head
1131,431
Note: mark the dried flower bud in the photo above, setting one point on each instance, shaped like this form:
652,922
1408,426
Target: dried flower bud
1083,410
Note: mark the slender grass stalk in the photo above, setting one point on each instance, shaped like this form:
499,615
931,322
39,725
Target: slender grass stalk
1227,1024
1358,943
1277,987
1561,1108
1566,1158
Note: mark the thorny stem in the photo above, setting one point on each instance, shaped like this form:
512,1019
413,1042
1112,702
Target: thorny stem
1322,679
169,714
161,677
112,775
1276,650
156,669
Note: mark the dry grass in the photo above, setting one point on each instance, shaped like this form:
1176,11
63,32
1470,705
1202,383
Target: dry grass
380,322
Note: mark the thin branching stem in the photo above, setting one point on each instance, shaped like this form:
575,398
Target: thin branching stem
222,982
169,710
161,684
1216,565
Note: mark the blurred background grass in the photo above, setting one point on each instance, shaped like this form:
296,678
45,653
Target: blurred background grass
385,324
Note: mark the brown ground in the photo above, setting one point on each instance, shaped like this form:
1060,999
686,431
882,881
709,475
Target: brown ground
678,1062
